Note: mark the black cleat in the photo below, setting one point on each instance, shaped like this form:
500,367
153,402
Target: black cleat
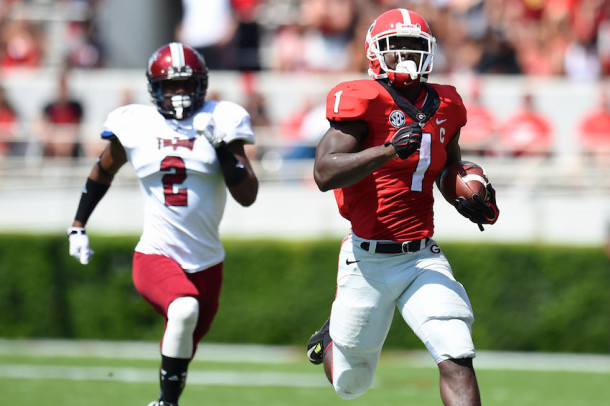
315,345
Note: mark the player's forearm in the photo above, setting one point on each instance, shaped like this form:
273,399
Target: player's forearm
246,191
237,172
336,170
92,193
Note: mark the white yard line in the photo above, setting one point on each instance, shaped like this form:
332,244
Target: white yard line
147,375
147,350
598,363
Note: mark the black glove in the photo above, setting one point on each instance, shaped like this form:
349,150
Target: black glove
481,211
406,140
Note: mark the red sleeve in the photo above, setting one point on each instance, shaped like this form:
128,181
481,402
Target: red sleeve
351,100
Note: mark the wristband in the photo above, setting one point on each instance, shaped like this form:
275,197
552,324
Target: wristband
91,196
76,230
232,170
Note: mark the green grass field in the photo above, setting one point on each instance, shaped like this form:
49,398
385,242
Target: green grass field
36,373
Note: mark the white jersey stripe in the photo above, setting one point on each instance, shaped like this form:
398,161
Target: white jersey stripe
177,54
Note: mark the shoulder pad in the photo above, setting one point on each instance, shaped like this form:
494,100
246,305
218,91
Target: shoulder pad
229,119
125,120
226,110
350,100
451,101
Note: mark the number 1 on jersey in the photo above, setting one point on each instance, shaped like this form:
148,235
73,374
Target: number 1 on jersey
425,156
337,99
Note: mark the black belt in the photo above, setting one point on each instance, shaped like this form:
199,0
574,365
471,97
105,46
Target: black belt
396,247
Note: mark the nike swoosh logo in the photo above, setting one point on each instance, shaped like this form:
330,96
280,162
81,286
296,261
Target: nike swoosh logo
348,262
440,121
313,349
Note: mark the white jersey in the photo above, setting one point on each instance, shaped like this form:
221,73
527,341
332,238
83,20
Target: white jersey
183,187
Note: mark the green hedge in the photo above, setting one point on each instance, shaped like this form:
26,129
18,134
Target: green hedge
525,297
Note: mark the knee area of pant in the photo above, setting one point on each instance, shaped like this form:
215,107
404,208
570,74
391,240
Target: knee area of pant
184,310
353,383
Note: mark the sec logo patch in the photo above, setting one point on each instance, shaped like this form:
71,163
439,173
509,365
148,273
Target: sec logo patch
397,119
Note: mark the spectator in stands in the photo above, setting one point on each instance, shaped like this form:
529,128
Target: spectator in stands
527,132
498,55
20,44
329,31
255,104
320,41
478,136
9,122
594,131
311,131
541,45
5,8
603,37
287,49
581,59
309,124
61,122
209,27
248,35
367,12
85,49
290,125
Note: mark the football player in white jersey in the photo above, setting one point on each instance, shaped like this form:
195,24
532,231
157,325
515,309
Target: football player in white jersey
186,151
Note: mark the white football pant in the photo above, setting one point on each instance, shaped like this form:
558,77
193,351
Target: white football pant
370,286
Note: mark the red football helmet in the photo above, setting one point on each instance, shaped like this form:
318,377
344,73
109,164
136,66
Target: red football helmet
177,80
413,63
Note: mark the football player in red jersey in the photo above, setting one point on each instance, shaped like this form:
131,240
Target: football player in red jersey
389,140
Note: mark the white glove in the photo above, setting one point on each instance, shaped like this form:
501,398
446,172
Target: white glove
204,125
79,244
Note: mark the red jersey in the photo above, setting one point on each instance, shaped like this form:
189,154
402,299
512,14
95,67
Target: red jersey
70,112
395,202
595,130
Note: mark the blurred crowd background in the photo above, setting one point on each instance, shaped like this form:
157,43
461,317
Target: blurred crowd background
533,74
566,39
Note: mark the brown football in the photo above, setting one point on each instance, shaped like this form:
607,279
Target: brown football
463,179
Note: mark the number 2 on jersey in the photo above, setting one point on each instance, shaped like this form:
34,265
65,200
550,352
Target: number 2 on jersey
175,164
